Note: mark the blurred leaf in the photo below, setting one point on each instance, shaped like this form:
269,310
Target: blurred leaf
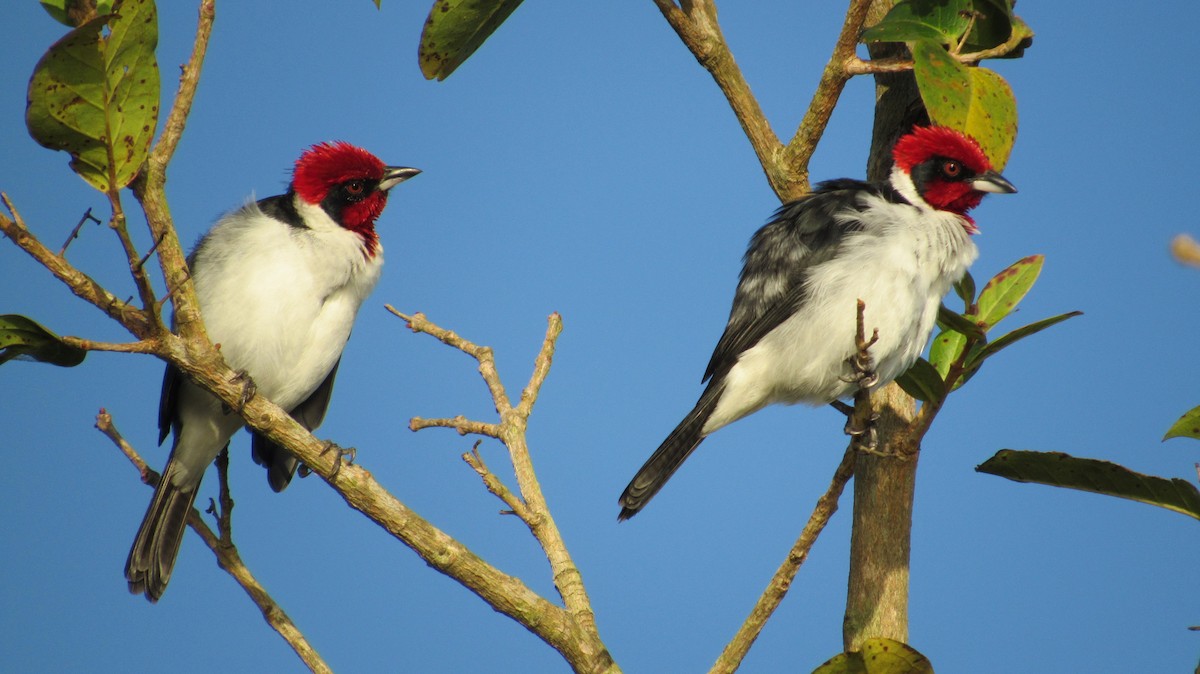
990,349
1020,40
66,11
993,25
878,656
455,29
965,289
24,338
378,4
1101,477
909,20
952,320
976,101
96,96
922,382
1188,426
1006,289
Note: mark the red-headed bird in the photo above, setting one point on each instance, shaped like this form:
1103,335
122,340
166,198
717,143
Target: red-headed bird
899,246
279,283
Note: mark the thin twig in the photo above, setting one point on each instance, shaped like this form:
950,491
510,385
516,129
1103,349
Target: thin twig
87,215
463,425
86,288
140,346
532,507
494,485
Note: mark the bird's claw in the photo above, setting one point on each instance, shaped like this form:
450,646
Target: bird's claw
865,436
862,370
340,453
249,390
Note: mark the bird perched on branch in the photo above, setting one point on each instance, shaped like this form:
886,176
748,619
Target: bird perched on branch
279,283
898,246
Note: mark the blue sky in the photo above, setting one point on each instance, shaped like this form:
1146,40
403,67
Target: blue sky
582,162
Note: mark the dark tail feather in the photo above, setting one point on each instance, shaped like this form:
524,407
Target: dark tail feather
280,463
669,456
156,546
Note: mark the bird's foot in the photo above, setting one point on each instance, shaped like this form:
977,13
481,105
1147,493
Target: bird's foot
862,370
249,390
340,453
863,433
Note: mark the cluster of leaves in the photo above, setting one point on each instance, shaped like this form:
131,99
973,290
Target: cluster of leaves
944,36
962,346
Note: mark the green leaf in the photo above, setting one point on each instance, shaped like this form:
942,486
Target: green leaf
909,20
59,10
976,101
946,348
455,29
1188,426
878,656
1006,289
944,83
1101,477
987,351
24,338
923,382
992,117
957,322
95,96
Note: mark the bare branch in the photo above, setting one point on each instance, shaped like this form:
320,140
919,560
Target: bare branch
697,26
463,425
150,346
833,80
584,645
134,320
494,484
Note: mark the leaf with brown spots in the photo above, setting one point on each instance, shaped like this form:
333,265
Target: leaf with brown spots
26,339
95,95
1188,426
976,101
455,29
1005,291
878,656
1100,477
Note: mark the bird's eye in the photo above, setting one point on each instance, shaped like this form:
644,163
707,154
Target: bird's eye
355,188
951,168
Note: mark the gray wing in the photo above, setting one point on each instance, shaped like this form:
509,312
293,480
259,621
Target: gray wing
801,235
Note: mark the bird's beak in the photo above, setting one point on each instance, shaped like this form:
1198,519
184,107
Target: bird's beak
991,181
394,175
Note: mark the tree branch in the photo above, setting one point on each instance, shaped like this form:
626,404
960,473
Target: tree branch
587,652
833,80
85,287
697,26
